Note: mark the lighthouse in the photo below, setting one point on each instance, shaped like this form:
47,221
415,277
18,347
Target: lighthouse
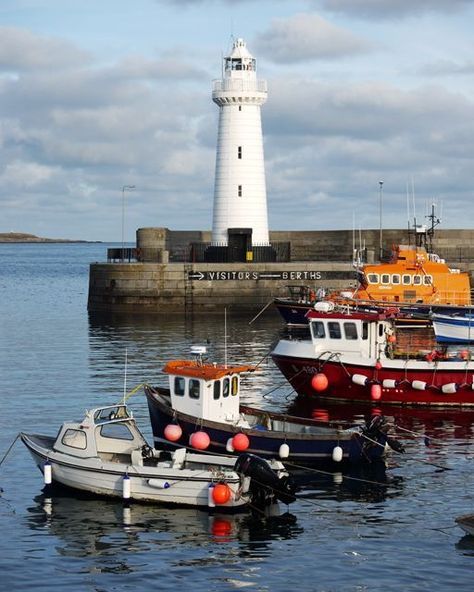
240,220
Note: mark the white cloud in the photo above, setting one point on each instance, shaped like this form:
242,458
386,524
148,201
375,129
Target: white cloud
305,37
380,9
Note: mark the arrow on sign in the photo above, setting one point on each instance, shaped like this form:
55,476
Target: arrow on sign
196,276
270,275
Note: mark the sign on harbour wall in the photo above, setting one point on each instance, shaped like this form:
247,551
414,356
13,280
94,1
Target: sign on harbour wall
291,276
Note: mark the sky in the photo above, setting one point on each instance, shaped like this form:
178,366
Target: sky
96,95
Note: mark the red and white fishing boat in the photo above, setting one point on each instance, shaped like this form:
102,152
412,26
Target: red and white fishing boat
352,355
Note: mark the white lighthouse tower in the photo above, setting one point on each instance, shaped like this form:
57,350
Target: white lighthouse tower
240,198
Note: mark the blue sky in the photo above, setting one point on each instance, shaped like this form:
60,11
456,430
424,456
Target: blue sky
95,95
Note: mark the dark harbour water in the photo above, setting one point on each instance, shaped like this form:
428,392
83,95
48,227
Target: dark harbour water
396,533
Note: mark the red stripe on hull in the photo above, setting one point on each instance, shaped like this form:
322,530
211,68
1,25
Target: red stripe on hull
300,371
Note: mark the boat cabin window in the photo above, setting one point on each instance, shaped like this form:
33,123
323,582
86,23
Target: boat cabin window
381,330
417,280
179,385
373,278
334,330
350,331
225,387
385,278
428,280
235,385
395,278
365,330
317,328
217,390
109,413
118,431
406,280
194,388
75,439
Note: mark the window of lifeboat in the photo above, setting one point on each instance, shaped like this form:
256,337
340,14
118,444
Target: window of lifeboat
395,279
417,280
428,280
385,278
406,280
373,278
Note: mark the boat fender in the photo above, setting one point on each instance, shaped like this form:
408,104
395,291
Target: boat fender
284,451
159,483
419,385
221,493
47,473
126,488
360,379
389,383
450,387
229,446
240,442
337,454
265,478
375,392
210,497
325,306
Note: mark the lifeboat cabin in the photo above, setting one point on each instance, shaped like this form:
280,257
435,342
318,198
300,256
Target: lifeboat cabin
414,276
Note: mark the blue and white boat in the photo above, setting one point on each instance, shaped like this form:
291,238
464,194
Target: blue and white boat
457,328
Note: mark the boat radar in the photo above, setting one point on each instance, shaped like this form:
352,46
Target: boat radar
240,200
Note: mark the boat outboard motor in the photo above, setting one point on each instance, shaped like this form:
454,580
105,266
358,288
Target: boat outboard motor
264,481
377,430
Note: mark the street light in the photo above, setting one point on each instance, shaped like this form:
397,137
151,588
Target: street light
380,212
124,188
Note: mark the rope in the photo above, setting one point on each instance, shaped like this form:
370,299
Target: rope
320,471
9,448
132,392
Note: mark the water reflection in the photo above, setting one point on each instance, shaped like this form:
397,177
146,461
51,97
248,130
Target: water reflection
89,527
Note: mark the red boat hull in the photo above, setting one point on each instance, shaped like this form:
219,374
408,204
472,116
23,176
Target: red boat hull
300,371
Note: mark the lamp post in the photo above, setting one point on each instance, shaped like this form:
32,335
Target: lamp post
380,212
124,188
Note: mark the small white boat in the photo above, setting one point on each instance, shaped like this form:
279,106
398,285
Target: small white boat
457,328
466,522
106,454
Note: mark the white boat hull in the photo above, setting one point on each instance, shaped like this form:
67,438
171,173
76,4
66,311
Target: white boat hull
453,329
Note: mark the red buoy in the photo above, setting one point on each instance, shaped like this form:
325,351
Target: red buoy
392,338
320,382
199,440
221,493
173,432
240,442
376,392
378,365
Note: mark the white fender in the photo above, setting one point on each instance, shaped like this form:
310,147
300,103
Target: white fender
389,383
360,379
419,385
450,387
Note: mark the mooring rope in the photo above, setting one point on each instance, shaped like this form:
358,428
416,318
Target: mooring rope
9,448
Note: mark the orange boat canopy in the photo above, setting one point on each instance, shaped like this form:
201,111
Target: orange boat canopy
197,369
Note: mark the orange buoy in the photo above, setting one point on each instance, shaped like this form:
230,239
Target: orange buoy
320,382
199,440
173,432
375,392
221,493
392,338
240,442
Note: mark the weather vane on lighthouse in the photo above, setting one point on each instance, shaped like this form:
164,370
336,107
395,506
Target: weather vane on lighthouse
240,220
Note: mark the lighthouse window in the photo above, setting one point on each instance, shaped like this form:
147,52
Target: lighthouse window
417,280
334,330
395,279
194,388
239,152
239,190
179,386
385,278
350,331
217,390
406,279
225,387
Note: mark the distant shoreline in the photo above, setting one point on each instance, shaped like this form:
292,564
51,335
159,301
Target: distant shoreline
22,237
